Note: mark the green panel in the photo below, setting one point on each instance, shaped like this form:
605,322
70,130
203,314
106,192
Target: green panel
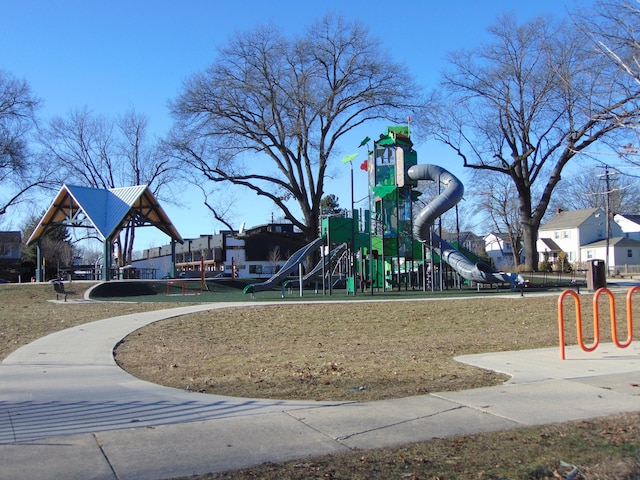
410,159
338,229
362,240
376,244
403,129
417,250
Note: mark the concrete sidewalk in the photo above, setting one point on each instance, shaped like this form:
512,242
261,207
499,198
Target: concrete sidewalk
68,411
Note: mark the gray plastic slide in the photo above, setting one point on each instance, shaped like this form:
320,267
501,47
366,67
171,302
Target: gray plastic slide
290,265
450,196
316,273
328,260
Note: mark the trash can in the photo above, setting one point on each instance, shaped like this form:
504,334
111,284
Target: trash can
596,275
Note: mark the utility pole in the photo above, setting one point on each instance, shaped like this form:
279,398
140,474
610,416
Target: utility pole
608,211
607,208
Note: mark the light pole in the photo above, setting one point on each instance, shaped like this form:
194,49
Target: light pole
352,258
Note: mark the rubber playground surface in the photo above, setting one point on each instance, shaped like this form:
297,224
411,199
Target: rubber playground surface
227,290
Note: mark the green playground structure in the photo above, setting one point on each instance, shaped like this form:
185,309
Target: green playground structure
392,247
388,246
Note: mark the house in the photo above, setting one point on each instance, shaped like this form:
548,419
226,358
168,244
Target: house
630,225
466,240
564,235
500,250
624,254
10,249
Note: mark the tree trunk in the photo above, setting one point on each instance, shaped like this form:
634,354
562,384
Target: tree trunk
530,239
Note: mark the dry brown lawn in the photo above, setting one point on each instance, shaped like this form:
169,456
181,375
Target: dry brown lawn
351,351
26,313
359,351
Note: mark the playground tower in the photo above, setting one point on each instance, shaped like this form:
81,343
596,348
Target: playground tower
391,196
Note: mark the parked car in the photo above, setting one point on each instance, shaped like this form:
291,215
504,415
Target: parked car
223,275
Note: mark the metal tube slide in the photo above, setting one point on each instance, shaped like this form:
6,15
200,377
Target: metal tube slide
450,196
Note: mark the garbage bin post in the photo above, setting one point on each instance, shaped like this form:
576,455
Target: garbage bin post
596,274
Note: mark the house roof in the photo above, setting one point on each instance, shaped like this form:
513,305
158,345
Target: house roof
500,236
614,242
570,219
631,218
105,210
464,236
550,244
11,236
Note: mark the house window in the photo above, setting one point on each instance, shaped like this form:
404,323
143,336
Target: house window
629,253
556,235
565,234
589,254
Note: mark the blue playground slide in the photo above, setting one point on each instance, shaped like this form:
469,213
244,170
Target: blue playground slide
450,196
290,265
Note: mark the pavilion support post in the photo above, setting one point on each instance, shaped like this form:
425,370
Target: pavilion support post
38,262
173,258
106,267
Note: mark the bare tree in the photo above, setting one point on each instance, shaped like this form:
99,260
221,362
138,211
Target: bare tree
147,164
100,152
588,189
526,104
274,258
615,31
83,147
56,247
20,172
499,206
267,115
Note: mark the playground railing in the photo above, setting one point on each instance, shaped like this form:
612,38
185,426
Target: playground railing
184,286
596,319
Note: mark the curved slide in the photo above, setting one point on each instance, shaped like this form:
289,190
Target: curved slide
450,196
290,265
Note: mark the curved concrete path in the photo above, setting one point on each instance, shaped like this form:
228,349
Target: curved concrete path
68,411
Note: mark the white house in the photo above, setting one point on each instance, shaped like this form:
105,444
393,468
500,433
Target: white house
624,253
562,237
630,225
498,247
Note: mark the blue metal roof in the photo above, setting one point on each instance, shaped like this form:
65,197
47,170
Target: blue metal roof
105,210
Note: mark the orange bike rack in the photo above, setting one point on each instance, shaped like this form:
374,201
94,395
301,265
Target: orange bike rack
596,319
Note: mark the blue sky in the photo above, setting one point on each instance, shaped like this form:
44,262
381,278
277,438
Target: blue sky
113,56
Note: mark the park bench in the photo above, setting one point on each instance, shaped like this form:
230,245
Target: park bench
58,286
